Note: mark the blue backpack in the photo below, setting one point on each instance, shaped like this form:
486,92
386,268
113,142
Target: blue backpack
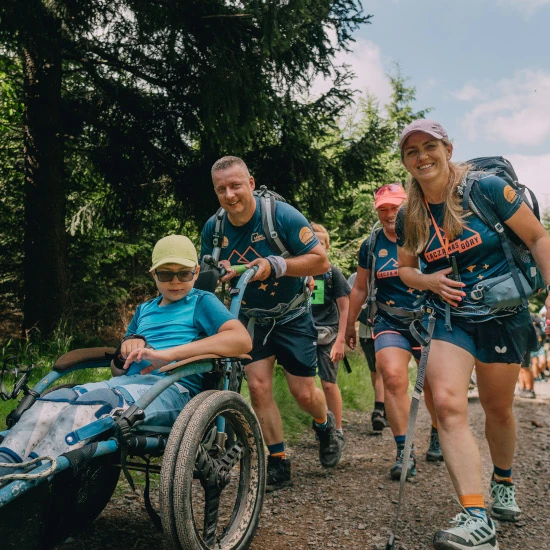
519,257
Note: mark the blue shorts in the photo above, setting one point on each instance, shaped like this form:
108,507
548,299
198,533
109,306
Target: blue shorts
160,414
294,345
501,340
386,336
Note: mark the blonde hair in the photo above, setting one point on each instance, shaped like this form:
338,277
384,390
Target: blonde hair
318,228
417,219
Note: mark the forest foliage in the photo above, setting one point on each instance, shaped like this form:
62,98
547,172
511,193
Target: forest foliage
112,113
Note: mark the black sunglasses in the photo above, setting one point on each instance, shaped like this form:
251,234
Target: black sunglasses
167,276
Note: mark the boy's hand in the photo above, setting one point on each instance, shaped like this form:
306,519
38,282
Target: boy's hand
155,357
129,346
337,351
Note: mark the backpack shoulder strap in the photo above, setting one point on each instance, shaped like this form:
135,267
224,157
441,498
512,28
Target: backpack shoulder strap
479,205
330,280
373,238
268,205
217,234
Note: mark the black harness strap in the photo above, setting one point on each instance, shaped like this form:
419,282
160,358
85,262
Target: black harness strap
153,514
416,314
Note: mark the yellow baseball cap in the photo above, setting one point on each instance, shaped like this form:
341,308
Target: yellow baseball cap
174,249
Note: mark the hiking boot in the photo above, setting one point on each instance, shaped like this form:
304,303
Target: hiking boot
504,506
278,474
470,532
379,420
395,470
331,442
434,454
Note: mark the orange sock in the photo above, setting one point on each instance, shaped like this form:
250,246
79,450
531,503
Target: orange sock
472,501
279,455
320,420
500,479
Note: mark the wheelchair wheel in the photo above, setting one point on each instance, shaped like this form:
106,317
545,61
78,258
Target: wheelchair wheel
77,498
168,467
218,492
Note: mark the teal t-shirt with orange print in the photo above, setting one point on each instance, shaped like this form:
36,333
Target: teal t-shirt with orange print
478,250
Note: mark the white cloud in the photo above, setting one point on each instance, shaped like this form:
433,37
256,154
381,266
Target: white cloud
517,111
467,93
366,62
533,171
526,7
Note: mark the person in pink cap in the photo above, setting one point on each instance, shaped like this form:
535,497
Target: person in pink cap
396,307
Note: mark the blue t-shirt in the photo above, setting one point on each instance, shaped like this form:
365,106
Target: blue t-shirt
198,315
245,243
478,250
390,289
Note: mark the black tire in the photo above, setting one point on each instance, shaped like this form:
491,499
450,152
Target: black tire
232,517
50,389
167,471
77,498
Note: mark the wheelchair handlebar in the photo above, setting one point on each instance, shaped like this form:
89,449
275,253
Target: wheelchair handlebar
239,268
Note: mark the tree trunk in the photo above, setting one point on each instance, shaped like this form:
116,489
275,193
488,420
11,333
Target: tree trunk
45,265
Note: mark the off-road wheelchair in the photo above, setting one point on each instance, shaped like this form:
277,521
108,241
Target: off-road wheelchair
211,461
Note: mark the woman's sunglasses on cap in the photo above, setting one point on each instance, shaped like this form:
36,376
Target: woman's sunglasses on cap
388,188
183,276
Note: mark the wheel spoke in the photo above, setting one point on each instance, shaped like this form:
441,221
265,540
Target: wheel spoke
232,456
211,510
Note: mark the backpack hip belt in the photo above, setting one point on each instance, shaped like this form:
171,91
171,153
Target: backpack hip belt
407,313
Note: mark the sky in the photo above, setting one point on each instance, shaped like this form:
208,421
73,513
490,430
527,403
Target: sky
482,66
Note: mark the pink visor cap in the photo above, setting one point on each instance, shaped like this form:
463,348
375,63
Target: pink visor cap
392,193
431,127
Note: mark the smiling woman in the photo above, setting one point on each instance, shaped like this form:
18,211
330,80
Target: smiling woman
435,229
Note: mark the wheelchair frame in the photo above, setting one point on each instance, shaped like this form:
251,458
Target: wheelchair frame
198,441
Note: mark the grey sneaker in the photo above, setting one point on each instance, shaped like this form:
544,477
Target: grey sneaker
526,394
504,506
469,532
395,470
331,442
278,474
434,454
379,421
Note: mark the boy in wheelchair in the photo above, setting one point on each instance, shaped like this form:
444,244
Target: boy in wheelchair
182,322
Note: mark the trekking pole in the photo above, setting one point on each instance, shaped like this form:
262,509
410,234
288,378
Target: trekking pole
424,337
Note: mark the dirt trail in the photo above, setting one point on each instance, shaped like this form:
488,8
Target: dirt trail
353,506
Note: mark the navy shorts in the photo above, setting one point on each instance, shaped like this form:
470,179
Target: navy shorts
294,345
386,336
502,340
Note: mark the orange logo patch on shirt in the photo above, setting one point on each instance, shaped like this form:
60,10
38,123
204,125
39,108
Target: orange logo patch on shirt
383,253
225,242
510,193
306,235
